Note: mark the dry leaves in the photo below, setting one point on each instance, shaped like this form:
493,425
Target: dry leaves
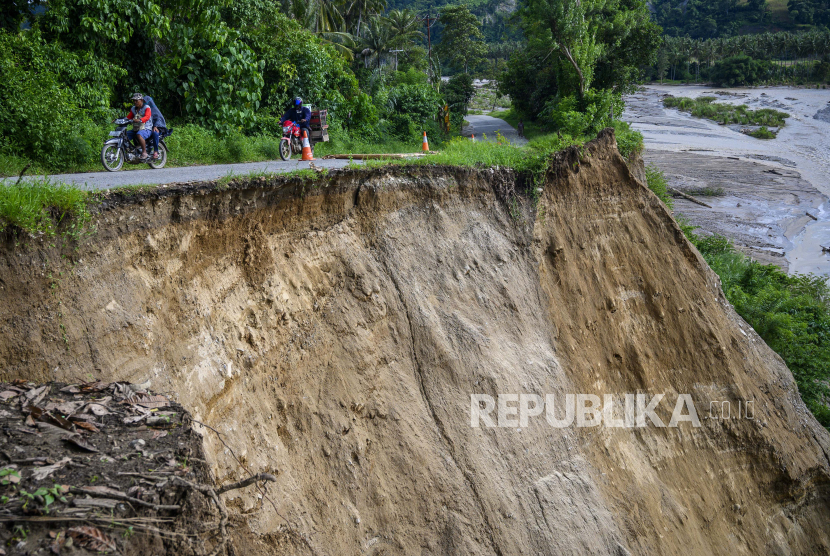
40,473
92,538
79,442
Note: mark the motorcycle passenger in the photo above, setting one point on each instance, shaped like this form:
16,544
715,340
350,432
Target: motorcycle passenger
298,114
141,115
159,125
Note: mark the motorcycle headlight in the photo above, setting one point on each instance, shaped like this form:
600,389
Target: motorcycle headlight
286,129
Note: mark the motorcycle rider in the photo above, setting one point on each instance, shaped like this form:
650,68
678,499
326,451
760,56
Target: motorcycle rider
159,125
298,114
141,115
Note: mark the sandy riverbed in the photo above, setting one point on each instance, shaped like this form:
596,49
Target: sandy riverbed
770,186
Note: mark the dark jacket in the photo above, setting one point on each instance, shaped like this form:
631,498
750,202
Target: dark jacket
296,114
158,119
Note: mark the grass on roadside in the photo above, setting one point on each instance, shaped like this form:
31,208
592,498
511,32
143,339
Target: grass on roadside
705,107
42,207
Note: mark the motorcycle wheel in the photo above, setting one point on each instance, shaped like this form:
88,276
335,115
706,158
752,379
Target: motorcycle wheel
112,158
162,159
285,149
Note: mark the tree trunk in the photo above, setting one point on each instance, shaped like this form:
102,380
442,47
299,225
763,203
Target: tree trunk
570,58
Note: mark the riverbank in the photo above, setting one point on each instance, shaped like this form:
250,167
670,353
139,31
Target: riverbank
774,192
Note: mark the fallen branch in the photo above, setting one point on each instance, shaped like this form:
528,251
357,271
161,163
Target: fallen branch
686,196
245,482
125,498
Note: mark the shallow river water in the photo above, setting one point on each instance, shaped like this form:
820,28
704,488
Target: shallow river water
802,146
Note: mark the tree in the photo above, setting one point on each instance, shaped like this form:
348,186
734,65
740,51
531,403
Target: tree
569,29
404,28
462,41
376,40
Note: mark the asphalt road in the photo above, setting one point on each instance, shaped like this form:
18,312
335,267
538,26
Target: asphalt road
144,175
148,176
488,125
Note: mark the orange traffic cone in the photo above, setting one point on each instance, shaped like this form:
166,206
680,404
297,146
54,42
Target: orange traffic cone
425,146
307,154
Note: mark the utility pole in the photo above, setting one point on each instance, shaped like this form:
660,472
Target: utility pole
430,21
396,58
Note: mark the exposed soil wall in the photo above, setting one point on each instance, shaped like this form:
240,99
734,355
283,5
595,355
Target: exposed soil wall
334,332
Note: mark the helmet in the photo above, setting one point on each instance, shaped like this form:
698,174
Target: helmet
298,101
137,96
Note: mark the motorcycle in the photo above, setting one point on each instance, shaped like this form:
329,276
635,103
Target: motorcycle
291,142
118,149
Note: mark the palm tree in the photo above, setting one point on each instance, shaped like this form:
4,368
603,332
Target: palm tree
376,39
362,9
320,16
404,27
323,18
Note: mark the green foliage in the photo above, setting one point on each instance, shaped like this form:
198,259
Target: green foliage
42,87
629,141
736,71
809,12
413,109
762,133
39,207
703,107
204,66
705,18
656,181
585,116
462,40
790,312
458,93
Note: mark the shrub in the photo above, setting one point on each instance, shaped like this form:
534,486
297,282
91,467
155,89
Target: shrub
51,101
740,70
656,181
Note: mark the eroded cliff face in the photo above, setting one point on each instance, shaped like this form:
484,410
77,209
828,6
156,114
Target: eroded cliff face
334,332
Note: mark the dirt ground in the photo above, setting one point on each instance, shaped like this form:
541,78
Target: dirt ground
335,330
759,207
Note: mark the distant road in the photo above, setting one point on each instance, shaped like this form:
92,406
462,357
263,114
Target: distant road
148,176
481,125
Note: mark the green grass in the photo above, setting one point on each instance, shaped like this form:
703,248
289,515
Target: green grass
706,191
705,107
656,181
762,133
42,207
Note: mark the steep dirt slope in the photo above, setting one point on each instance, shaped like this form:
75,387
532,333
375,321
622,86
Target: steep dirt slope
334,332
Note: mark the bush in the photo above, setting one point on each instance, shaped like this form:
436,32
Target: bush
740,70
656,181
412,110
583,117
51,101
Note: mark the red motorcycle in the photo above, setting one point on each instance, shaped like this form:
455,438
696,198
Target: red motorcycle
292,141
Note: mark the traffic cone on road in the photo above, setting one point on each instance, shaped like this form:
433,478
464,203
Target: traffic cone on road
425,146
307,154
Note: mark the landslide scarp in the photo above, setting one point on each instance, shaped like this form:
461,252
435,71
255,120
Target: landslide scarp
335,329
